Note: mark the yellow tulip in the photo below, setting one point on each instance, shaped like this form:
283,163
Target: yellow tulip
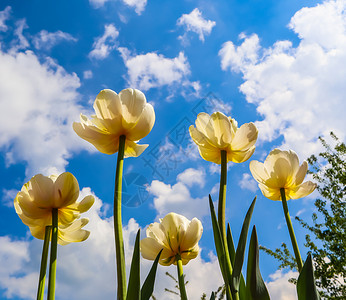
126,113
38,197
281,170
218,132
176,235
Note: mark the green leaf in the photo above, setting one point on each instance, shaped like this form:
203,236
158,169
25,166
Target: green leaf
148,285
256,289
231,251
133,289
240,253
220,251
212,297
306,287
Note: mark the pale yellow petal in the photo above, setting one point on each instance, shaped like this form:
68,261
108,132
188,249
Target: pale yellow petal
84,205
270,193
202,123
302,190
144,124
219,130
133,149
175,226
192,235
151,247
245,137
210,153
300,175
199,138
133,102
107,106
240,156
66,190
258,171
103,141
38,231
188,255
42,190
66,216
29,207
279,168
30,221
157,232
72,236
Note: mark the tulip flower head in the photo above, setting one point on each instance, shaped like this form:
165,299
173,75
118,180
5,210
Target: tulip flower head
126,113
176,235
38,197
218,132
281,170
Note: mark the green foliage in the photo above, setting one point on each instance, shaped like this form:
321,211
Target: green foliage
327,242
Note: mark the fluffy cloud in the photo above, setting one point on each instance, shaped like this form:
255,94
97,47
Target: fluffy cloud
300,90
47,40
104,45
279,288
138,5
196,23
35,124
177,197
152,70
248,183
4,16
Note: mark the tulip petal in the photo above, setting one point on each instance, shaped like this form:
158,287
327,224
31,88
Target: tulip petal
202,123
29,207
245,137
157,232
65,237
103,141
151,247
188,255
199,138
240,156
144,125
133,102
107,105
67,216
133,149
211,154
270,193
300,175
41,189
38,232
192,235
302,190
258,171
219,130
66,190
175,228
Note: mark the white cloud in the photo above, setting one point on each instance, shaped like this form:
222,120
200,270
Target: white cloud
35,124
4,16
88,74
300,90
248,183
192,176
138,5
177,198
98,3
47,40
196,23
151,70
21,42
104,45
279,288
8,197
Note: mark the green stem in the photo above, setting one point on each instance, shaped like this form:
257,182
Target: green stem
44,258
53,255
118,230
290,229
183,295
222,215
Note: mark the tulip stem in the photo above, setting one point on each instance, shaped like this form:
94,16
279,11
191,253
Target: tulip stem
291,231
44,259
118,230
222,215
53,255
181,281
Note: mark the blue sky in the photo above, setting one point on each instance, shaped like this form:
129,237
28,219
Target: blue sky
280,64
